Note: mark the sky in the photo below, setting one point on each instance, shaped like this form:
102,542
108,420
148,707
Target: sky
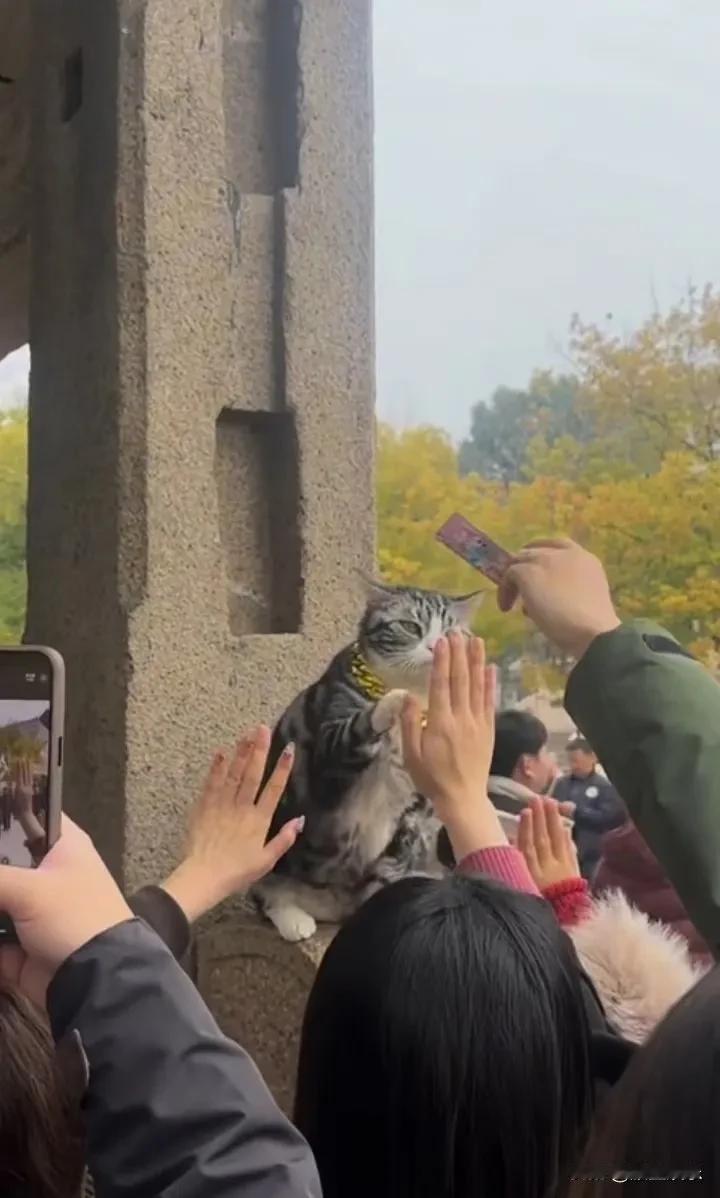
531,161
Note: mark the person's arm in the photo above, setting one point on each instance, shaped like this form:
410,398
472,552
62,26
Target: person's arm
602,815
448,752
652,714
650,711
547,847
173,1108
226,847
502,862
164,916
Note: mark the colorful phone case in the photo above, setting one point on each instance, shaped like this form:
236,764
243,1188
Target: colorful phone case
475,547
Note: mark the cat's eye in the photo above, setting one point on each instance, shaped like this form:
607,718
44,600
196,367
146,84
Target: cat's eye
410,626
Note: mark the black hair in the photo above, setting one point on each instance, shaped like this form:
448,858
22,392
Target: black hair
579,744
661,1119
516,733
445,1047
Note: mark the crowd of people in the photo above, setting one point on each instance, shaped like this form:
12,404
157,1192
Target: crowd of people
519,1028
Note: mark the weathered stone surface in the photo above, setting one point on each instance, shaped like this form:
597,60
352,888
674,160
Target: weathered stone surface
202,407
14,175
257,985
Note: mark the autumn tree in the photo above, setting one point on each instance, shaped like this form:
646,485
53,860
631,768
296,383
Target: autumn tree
13,492
657,390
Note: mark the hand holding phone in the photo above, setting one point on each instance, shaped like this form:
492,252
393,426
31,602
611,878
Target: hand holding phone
32,712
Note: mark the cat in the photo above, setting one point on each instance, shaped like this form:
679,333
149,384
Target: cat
365,825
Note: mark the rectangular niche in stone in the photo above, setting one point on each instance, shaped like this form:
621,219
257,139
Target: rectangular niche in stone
256,475
260,93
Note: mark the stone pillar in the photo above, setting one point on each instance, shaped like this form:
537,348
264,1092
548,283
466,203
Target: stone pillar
202,381
201,393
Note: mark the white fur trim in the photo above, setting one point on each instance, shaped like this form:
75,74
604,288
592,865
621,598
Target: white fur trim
639,966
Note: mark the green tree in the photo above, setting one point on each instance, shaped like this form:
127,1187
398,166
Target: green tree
504,431
13,499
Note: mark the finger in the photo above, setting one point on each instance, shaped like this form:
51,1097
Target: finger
255,766
571,850
238,763
216,777
478,676
459,672
280,844
411,732
540,831
439,695
526,839
555,828
490,694
274,788
548,543
508,591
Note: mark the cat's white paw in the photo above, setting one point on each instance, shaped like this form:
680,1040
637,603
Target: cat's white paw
386,711
292,922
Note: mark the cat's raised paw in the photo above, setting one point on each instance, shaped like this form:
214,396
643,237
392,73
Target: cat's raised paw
292,923
386,711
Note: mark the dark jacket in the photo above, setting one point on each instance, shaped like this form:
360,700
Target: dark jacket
628,864
173,1108
164,916
652,715
598,809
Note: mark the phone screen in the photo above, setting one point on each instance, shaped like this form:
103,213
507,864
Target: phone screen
26,688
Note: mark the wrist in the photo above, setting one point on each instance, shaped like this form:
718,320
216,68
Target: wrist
195,889
471,830
584,637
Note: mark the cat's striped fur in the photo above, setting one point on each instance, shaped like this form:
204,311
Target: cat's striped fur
365,825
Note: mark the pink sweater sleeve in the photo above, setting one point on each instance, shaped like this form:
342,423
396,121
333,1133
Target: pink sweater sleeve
503,862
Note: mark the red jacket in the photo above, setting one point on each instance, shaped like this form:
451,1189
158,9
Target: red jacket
627,864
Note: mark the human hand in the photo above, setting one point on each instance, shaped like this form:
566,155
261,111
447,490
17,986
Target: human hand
546,843
226,851
564,590
56,909
22,792
449,757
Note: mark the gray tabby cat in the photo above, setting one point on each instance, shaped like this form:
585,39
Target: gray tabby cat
364,824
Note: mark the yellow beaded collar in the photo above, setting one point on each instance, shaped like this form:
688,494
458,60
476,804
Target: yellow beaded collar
367,680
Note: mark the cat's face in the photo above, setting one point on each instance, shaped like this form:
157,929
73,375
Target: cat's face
401,626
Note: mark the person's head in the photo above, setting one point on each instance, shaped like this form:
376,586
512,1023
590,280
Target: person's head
41,1144
444,1050
662,1116
581,759
521,751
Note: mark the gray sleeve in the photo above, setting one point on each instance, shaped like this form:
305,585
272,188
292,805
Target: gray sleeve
173,1107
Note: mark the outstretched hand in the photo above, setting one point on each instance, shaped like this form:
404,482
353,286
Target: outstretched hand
546,843
226,849
448,754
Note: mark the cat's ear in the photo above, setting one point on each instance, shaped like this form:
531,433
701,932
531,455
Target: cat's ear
376,593
465,606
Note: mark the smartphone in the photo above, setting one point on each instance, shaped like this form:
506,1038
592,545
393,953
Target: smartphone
32,719
475,547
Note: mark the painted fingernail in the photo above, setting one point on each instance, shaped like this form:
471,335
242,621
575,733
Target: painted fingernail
289,750
299,824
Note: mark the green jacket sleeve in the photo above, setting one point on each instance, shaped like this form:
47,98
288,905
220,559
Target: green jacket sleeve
652,714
